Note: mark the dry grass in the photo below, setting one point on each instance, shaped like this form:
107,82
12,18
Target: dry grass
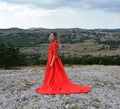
89,47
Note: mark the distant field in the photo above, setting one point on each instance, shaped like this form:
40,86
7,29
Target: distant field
73,50
75,41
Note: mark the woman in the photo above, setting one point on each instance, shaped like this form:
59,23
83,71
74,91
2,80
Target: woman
56,80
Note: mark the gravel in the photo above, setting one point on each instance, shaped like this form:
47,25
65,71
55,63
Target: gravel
17,88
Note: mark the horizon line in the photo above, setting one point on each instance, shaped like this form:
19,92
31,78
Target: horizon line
55,28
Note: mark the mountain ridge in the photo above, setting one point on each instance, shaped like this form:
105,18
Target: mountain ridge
75,41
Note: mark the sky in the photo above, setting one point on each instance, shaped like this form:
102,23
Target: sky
86,14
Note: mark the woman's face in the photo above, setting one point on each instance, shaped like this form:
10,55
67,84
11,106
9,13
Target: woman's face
51,37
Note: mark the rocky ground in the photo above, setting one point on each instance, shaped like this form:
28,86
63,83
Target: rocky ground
17,88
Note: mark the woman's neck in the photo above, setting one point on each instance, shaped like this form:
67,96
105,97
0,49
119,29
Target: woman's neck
52,41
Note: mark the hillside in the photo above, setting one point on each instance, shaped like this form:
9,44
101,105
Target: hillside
74,41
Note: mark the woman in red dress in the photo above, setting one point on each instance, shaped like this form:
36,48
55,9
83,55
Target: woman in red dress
56,80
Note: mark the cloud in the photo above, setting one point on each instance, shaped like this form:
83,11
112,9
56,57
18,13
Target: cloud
23,10
46,4
31,10
60,14
30,16
104,5
49,1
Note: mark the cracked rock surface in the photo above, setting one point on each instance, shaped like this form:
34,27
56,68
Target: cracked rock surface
17,88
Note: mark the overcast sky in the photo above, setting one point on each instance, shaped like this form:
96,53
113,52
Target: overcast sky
87,14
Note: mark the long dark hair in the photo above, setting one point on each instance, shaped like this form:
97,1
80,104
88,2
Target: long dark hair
56,37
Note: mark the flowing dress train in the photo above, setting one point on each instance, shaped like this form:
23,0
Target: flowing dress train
56,80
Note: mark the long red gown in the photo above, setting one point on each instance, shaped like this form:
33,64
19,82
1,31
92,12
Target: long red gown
56,80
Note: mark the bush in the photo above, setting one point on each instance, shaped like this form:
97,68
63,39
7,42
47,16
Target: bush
105,60
10,56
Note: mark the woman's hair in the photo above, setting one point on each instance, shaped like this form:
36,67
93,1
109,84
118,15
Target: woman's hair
56,37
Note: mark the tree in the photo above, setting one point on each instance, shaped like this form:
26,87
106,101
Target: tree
10,56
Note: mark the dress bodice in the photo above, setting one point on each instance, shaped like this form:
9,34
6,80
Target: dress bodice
53,48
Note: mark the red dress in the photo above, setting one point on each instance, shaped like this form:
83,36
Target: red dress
56,80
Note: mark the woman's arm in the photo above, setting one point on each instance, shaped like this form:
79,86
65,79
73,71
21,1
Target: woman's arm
52,61
54,49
